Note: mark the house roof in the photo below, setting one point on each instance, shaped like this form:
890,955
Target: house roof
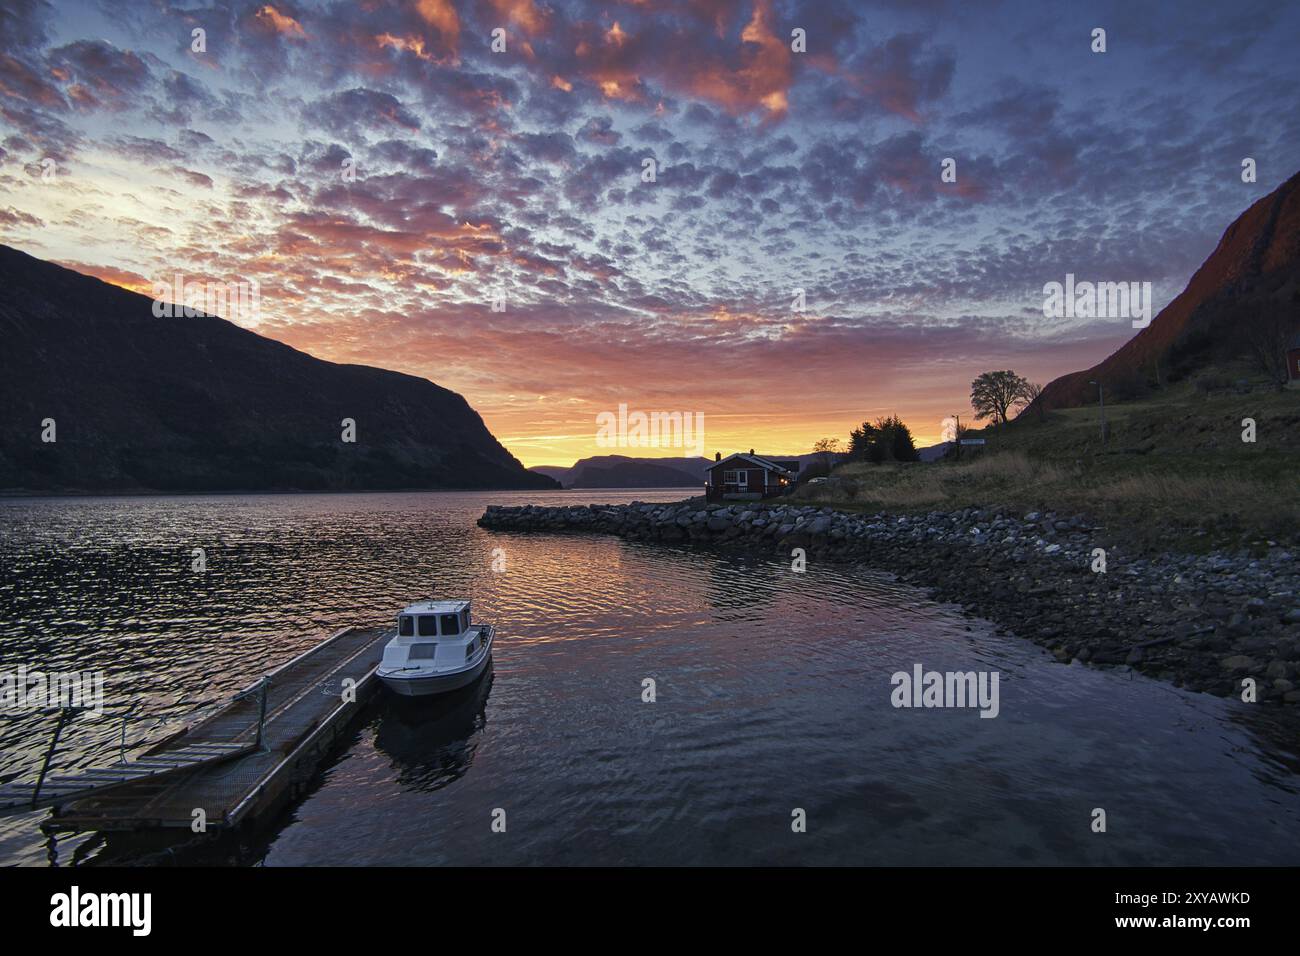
763,463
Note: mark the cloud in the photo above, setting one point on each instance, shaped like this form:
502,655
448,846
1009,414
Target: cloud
280,23
478,171
348,111
600,131
442,16
95,73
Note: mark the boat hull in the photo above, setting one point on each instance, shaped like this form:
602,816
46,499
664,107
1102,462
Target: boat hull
431,684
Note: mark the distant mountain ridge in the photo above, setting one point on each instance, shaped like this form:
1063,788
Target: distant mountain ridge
554,472
1245,298
634,474
627,471
623,471
200,404
933,452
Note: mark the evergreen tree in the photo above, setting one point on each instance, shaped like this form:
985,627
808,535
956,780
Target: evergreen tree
885,439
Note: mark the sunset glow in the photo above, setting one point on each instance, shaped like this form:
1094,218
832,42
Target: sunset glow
382,174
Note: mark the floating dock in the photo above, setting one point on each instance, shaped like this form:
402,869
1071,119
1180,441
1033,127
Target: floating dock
238,764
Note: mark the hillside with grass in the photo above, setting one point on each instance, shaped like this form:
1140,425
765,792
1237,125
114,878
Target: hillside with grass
1174,470
1242,304
1174,467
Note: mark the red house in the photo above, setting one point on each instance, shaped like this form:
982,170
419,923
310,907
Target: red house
749,477
1293,363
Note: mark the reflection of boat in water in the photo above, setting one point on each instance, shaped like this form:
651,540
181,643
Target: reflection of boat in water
436,649
432,740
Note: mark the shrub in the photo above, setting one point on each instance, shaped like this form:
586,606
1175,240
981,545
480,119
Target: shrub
1208,384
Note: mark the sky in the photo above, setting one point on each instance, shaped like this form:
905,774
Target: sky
387,177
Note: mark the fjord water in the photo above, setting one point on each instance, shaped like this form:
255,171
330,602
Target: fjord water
772,693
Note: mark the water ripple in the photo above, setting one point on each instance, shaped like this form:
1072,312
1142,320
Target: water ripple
772,692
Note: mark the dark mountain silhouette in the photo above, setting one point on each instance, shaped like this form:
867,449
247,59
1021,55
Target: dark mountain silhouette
199,404
1244,301
635,474
933,452
554,472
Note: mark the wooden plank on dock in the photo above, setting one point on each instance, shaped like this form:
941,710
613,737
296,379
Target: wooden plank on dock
306,710
59,789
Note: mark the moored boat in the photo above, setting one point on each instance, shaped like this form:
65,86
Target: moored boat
436,649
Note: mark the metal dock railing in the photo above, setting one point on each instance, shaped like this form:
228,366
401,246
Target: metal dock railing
245,759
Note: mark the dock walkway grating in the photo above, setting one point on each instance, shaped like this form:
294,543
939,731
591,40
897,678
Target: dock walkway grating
305,711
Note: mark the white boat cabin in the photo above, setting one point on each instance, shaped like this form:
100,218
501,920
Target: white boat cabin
429,620
435,635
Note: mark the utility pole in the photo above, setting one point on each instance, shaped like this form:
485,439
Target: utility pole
1101,398
956,435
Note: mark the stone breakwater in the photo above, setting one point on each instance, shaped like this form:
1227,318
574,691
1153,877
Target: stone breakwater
1205,622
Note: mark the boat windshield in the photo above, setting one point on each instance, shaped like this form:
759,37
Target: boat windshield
450,625
405,626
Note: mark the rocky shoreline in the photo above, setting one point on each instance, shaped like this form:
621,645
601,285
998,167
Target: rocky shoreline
1204,622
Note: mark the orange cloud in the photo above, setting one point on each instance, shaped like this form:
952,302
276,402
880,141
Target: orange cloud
442,16
522,13
765,78
412,44
277,21
621,65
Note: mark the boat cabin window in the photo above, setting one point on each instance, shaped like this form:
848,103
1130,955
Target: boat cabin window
428,625
422,652
405,626
450,625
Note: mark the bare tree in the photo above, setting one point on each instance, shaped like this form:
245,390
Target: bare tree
827,449
1030,395
1267,337
993,393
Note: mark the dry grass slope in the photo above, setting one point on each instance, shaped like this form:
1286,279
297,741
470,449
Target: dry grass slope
1174,471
